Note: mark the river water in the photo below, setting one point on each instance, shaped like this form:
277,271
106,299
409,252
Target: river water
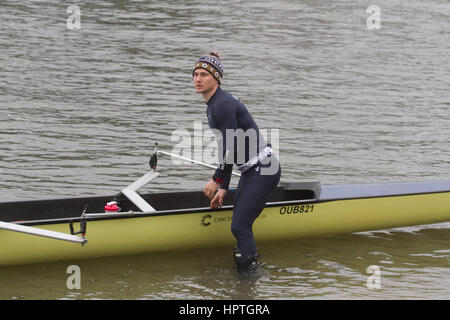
345,96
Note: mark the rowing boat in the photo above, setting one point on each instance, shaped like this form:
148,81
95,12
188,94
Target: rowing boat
47,230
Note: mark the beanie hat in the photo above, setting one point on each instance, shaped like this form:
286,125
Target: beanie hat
212,64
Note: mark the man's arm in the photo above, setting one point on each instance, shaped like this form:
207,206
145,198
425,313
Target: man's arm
225,115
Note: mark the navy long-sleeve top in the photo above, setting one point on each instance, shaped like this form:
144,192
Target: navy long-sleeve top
237,134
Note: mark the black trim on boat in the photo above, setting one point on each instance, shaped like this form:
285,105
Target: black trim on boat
134,214
55,211
164,203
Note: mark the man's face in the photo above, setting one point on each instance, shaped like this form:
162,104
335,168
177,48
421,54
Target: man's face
203,81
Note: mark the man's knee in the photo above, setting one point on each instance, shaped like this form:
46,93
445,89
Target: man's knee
239,229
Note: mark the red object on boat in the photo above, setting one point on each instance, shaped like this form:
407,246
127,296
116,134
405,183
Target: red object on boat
111,207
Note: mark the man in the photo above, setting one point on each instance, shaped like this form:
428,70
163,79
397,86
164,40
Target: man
240,143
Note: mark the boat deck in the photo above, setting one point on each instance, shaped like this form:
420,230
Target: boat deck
350,191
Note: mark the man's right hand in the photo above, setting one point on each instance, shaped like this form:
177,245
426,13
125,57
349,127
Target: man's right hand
210,189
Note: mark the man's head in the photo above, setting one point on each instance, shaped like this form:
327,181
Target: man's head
207,73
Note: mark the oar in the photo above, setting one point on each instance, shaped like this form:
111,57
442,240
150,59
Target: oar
194,161
42,233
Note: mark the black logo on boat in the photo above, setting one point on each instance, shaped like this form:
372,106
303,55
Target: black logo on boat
204,220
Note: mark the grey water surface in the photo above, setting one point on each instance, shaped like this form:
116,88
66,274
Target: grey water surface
344,102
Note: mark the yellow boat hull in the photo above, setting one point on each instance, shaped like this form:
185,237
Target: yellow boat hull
140,234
